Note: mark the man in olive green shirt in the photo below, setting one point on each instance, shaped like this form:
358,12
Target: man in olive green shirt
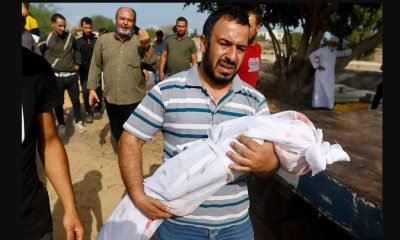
179,52
119,55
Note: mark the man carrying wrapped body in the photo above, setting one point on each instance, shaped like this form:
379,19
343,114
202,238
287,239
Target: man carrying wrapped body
186,180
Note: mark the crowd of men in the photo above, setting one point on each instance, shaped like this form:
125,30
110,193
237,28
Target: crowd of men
190,95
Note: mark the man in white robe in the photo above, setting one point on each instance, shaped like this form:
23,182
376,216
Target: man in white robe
323,61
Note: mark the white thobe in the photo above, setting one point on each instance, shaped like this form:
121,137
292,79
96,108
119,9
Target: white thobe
324,84
189,178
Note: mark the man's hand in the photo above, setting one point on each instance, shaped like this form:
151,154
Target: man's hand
146,74
150,207
144,37
253,157
162,76
93,98
321,68
73,226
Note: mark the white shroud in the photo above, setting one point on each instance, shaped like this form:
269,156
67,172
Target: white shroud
188,179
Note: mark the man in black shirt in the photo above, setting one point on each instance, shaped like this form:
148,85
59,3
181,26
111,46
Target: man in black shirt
40,94
85,45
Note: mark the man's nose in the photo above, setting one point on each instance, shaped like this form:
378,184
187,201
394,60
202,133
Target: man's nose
231,54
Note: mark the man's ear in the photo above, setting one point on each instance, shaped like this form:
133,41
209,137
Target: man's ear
203,43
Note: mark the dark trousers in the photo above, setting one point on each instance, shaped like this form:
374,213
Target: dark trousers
118,114
72,86
378,96
85,93
47,236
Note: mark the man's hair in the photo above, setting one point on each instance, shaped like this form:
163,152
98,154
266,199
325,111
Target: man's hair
26,4
86,20
159,33
230,13
257,15
182,19
103,30
56,16
133,11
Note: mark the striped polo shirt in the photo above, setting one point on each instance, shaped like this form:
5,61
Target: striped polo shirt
183,110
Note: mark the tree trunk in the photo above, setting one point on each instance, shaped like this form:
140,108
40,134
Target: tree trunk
367,45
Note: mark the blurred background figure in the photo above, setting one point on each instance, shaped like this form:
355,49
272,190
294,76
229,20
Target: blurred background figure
31,24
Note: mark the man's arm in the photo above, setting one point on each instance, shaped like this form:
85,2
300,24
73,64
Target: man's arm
130,164
163,61
193,53
42,45
193,58
344,53
95,70
77,55
55,162
314,59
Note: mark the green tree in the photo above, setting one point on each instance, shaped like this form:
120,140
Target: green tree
296,39
260,38
194,34
292,69
42,13
100,21
167,29
152,33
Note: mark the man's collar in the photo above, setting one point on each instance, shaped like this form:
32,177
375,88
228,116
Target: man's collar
91,36
180,38
126,39
63,35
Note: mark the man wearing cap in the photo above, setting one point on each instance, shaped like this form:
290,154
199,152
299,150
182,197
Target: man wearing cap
323,61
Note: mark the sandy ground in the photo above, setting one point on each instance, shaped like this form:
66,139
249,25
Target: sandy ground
95,174
94,170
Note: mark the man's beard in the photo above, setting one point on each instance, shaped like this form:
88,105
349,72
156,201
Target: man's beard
180,34
208,69
87,34
120,32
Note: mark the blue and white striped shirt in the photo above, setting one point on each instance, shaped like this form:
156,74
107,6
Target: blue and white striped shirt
182,109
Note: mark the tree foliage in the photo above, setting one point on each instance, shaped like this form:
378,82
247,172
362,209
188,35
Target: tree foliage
42,13
167,29
296,39
152,33
358,23
194,34
100,21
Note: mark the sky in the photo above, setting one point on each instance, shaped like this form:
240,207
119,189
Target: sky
148,14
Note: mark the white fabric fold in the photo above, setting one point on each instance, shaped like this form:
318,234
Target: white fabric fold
189,178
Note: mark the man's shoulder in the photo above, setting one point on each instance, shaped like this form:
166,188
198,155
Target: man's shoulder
251,92
33,64
190,40
106,36
178,79
44,36
80,39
